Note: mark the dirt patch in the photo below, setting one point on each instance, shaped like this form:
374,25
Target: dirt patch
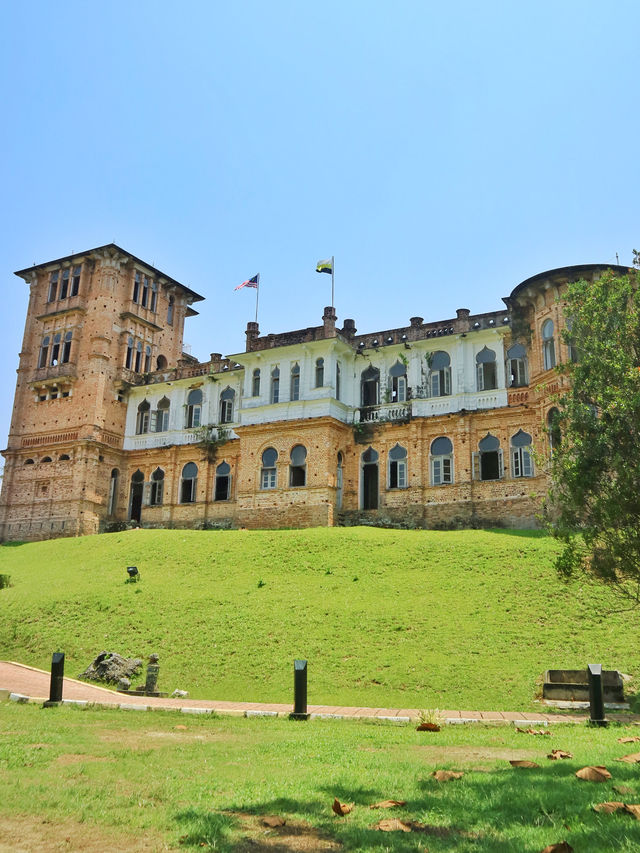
158,739
24,834
471,755
293,835
68,758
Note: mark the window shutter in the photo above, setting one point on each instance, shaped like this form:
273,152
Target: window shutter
475,465
447,381
480,377
436,469
515,463
500,464
154,420
527,463
196,416
146,494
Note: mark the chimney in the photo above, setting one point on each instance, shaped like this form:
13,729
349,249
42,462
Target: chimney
349,328
416,322
252,333
329,320
461,324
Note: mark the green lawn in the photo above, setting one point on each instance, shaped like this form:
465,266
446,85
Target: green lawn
110,780
407,619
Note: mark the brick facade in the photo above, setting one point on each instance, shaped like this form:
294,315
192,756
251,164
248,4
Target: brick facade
102,432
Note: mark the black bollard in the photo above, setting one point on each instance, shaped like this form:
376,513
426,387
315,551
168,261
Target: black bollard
596,695
299,691
57,676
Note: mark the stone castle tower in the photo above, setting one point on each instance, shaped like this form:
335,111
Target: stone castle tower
96,322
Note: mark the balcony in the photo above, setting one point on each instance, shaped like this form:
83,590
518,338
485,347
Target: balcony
385,413
68,370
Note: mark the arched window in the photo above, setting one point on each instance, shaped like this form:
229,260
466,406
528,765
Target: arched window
268,474
46,459
44,351
75,281
136,495
29,462
170,308
55,349
145,291
554,432
162,415
129,358
398,467
517,366
53,286
337,380
548,345
295,382
226,405
223,482
136,287
298,466
339,480
486,374
521,458
112,501
319,372
369,498
154,296
194,408
138,363
440,374
188,483
156,488
255,383
487,461
66,348
398,382
64,286
441,461
370,386
147,358
142,418
161,362
275,385
64,457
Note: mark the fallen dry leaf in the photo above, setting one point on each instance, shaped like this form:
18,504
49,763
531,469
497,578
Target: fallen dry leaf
555,754
181,728
596,773
633,739
633,758
446,775
519,762
562,847
608,808
428,727
341,809
623,789
388,804
633,809
273,821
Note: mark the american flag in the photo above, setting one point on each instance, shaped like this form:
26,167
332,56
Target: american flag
250,282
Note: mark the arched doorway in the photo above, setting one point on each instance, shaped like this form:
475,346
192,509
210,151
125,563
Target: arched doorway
135,497
370,479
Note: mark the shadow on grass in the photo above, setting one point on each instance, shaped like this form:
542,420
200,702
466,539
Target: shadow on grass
508,810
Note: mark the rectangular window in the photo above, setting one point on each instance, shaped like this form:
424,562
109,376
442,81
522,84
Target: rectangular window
136,287
145,292
275,390
268,478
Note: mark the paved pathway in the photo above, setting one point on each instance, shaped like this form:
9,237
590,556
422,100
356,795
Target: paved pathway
26,681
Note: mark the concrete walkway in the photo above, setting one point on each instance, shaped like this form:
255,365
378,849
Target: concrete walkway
25,683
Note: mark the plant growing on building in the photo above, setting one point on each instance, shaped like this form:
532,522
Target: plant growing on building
211,438
593,507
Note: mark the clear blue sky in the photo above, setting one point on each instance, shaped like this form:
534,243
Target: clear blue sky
442,152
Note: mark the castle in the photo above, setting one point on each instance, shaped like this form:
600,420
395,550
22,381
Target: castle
435,424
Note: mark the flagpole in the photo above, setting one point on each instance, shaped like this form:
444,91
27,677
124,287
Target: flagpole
257,294
333,264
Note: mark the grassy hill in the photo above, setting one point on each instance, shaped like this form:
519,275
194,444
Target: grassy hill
390,618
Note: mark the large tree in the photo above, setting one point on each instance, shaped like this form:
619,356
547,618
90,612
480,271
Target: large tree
593,506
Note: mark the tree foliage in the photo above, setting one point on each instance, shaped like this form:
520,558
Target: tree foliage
593,506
